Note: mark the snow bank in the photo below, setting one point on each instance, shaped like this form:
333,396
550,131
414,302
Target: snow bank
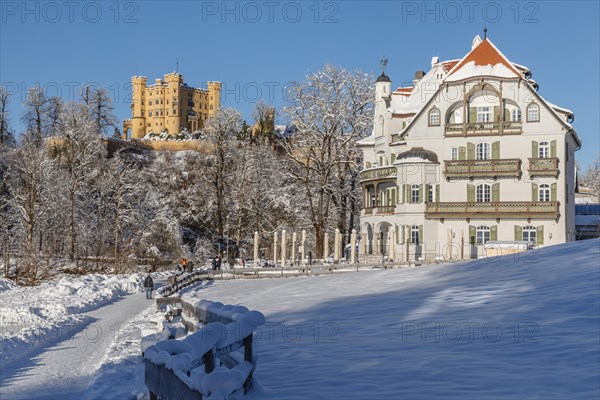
6,284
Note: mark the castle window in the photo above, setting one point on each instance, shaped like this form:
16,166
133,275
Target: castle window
483,151
529,234
544,192
544,150
483,234
434,117
483,114
149,102
414,194
149,113
211,107
483,193
516,115
533,113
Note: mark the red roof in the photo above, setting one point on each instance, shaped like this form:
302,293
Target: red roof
448,65
485,54
405,91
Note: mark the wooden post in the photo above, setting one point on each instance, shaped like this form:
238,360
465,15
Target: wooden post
326,247
209,361
293,248
255,249
353,247
248,357
336,246
275,249
303,248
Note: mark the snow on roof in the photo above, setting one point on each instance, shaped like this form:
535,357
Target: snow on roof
368,141
484,54
559,108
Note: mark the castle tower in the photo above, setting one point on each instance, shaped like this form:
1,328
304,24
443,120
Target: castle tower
138,115
214,97
174,119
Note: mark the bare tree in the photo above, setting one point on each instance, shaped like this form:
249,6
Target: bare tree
6,135
330,110
591,177
33,118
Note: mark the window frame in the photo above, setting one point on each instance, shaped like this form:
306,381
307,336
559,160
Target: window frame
482,151
516,112
530,108
544,149
486,113
530,231
454,153
482,234
483,193
434,112
414,234
412,193
544,192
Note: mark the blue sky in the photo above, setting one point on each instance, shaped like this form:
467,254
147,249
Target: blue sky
256,47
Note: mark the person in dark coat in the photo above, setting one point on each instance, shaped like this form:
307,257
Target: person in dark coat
218,262
149,286
214,263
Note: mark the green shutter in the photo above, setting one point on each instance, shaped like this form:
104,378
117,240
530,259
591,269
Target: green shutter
553,192
496,113
496,192
534,149
406,193
472,115
403,234
427,190
470,151
393,202
553,148
534,192
472,234
462,153
393,157
506,114
518,233
437,193
397,235
496,150
420,234
421,193
539,235
494,232
470,193
368,164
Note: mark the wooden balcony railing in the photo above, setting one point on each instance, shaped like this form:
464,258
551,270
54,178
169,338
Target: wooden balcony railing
482,168
494,210
368,211
484,128
385,209
543,166
378,173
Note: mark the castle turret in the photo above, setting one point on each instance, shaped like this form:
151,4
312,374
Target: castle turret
383,89
214,97
138,107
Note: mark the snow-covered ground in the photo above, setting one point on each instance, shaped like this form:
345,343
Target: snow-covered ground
513,327
496,328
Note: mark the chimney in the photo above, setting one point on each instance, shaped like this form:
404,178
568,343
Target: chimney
434,61
418,76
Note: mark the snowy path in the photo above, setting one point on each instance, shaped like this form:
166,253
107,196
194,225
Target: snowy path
64,370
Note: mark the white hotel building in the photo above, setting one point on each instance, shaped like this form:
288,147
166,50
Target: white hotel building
470,153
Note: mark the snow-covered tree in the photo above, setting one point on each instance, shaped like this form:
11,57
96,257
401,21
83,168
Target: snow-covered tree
6,135
591,177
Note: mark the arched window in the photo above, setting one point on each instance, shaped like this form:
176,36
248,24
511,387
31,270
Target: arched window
434,117
529,234
483,193
544,192
482,151
414,234
483,234
544,150
533,113
515,115
414,194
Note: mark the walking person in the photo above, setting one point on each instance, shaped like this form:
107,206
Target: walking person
214,263
218,262
149,286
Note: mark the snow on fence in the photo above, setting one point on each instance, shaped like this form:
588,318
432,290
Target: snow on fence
208,363
183,280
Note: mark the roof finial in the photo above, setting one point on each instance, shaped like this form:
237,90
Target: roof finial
382,64
484,32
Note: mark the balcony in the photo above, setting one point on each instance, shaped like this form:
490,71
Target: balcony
484,129
381,210
510,167
378,173
543,166
493,210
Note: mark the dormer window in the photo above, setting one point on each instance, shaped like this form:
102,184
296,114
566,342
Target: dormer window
434,117
533,113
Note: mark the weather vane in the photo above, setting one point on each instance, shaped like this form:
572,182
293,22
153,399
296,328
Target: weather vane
484,32
383,63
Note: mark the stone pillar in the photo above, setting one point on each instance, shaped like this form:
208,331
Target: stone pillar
255,249
364,244
461,239
326,247
392,250
336,246
449,251
303,247
293,247
283,248
275,239
353,247
407,244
